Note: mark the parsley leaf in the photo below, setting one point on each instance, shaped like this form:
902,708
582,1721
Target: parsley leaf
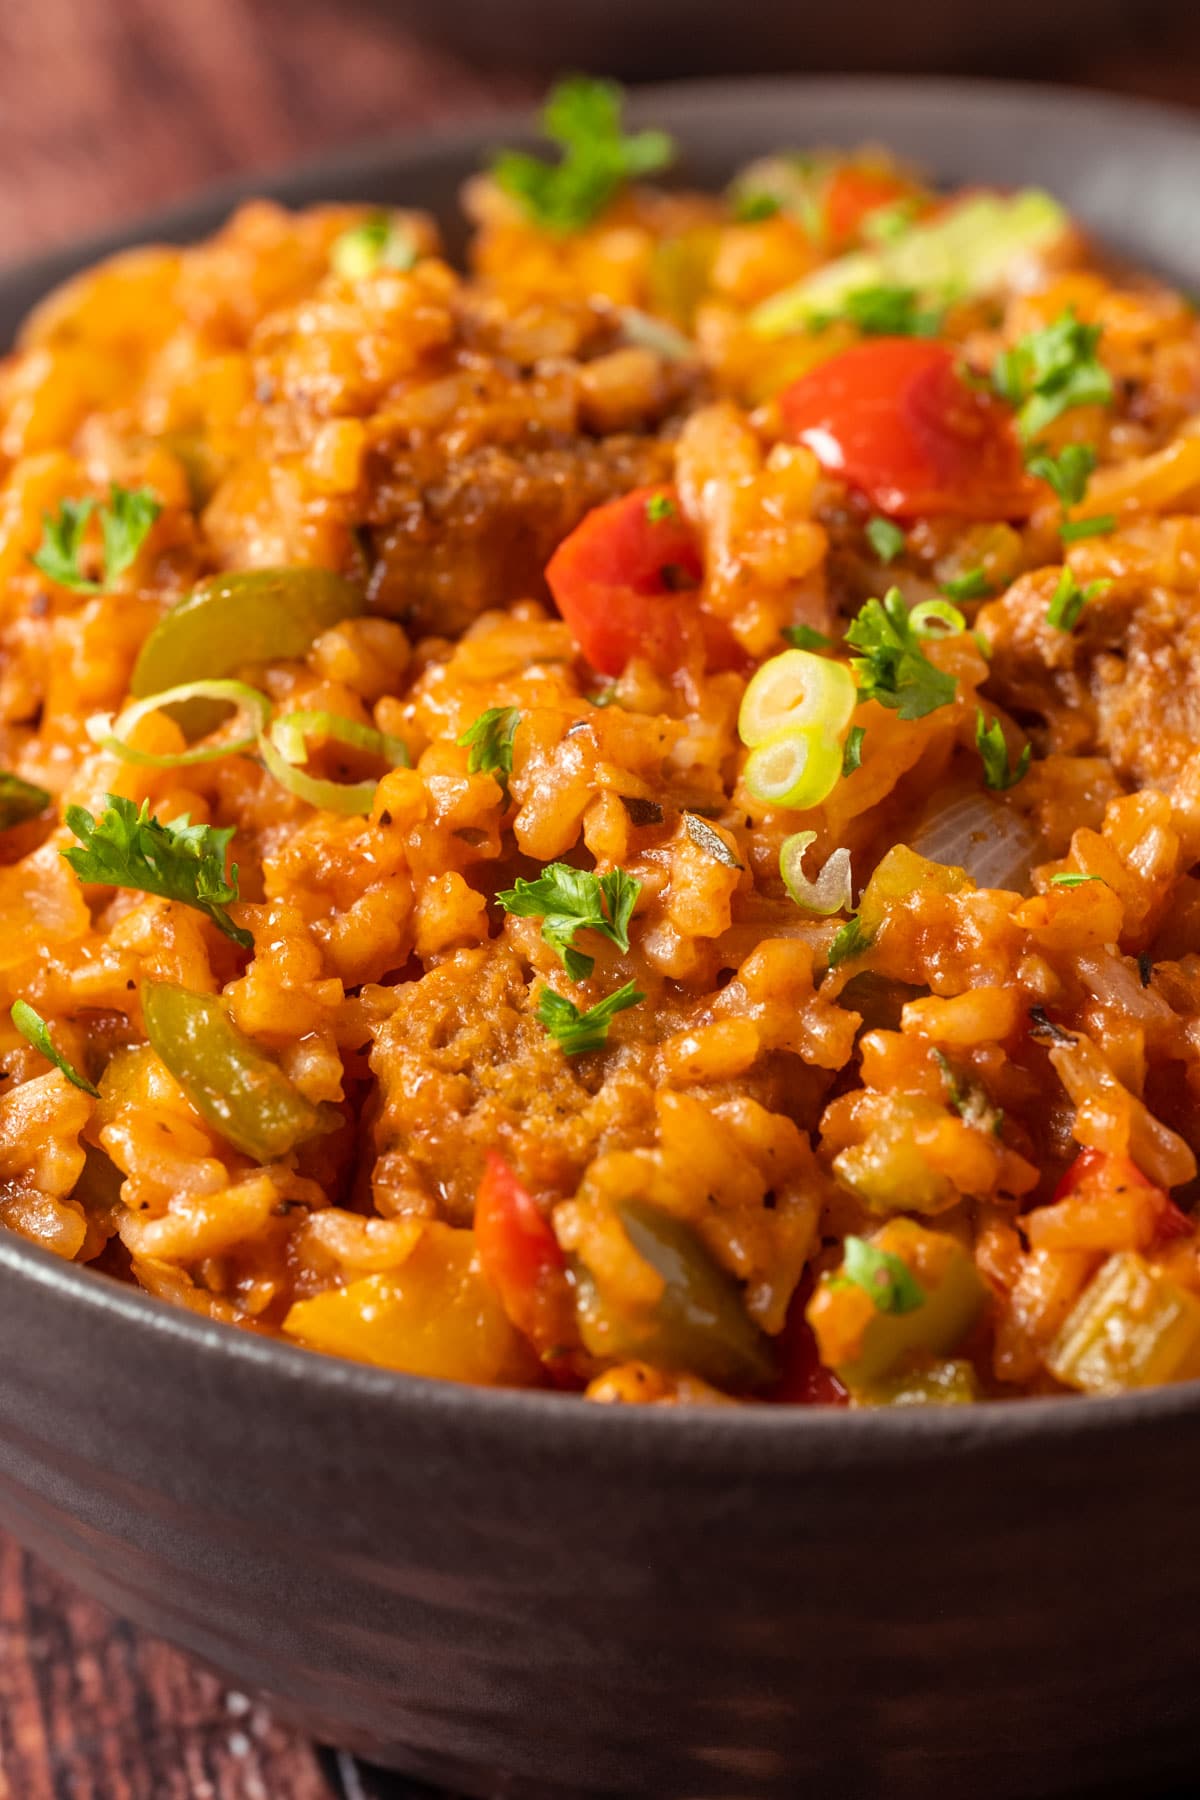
127,848
1069,600
578,1031
850,941
973,585
886,1278
886,539
1070,879
380,242
1068,473
886,311
34,1029
660,507
1048,372
852,752
19,800
989,741
124,522
568,900
62,540
805,637
583,117
490,740
893,668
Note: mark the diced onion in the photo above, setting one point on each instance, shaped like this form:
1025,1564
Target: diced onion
796,767
797,688
831,892
112,734
286,744
993,842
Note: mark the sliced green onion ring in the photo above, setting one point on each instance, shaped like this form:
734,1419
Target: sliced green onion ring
796,767
831,892
286,744
936,619
112,734
797,688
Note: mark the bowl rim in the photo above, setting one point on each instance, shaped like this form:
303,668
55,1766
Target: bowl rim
761,1435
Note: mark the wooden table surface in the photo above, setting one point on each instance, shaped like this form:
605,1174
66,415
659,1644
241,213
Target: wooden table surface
108,107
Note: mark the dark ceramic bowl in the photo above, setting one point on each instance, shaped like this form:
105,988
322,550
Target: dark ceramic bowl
526,1596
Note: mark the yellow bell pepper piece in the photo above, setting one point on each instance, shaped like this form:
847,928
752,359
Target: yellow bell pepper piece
434,1315
1130,1328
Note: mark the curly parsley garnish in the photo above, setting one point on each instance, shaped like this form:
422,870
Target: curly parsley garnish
886,539
127,848
583,117
888,1280
568,900
34,1029
1068,473
993,751
124,522
1048,372
490,741
893,668
578,1031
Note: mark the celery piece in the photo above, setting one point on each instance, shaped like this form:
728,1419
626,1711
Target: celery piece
1131,1327
965,251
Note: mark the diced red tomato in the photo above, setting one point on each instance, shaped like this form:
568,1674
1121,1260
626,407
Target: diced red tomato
1095,1172
803,1379
625,583
854,193
895,417
520,1257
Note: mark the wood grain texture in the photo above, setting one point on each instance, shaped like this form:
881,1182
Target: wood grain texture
108,107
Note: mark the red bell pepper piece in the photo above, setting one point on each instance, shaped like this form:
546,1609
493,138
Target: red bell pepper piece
804,1380
625,583
896,418
520,1257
